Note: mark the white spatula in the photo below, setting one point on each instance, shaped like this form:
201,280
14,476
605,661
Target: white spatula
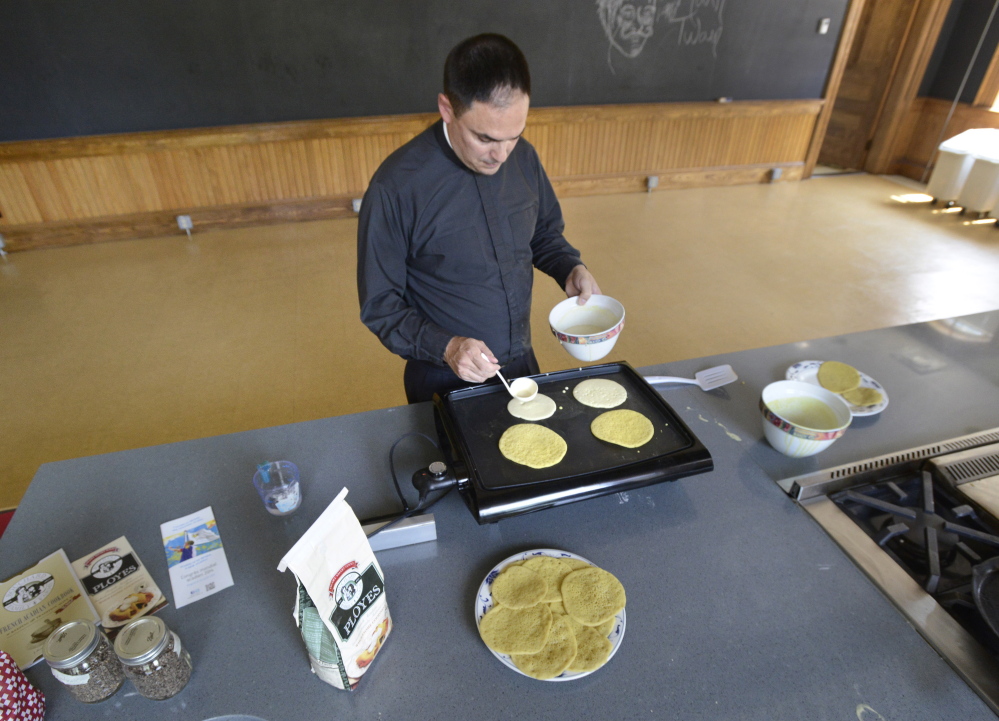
708,379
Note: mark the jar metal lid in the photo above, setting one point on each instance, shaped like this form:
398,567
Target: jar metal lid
141,641
71,643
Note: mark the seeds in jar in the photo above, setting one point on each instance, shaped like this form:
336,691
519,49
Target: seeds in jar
153,658
165,676
83,661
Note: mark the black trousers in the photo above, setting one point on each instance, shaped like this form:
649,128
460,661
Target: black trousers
423,379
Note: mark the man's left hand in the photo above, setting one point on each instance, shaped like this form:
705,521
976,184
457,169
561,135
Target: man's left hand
581,284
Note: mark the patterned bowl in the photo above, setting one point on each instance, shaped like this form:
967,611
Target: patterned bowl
588,332
801,419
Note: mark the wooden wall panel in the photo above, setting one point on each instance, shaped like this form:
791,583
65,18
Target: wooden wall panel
117,186
920,132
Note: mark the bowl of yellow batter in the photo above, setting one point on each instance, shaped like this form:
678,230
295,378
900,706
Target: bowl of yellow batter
801,419
588,332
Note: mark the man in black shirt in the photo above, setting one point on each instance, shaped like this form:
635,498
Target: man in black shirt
453,222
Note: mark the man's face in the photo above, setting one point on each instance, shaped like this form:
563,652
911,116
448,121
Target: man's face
486,133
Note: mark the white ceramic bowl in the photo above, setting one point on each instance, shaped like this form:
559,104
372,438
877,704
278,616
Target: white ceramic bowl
588,331
790,435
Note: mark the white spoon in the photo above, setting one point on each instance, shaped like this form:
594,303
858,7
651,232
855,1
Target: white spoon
523,389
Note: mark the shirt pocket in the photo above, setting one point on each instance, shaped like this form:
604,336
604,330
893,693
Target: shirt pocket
458,255
523,223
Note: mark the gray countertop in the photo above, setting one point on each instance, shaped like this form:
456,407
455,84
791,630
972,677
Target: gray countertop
739,605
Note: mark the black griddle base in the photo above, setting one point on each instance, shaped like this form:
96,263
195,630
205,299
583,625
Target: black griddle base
470,422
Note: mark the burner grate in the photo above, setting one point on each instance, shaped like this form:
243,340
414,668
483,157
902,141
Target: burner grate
936,538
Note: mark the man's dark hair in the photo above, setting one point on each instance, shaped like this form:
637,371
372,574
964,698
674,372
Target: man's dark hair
480,66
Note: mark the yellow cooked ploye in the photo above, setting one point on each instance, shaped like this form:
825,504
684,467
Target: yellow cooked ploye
838,377
623,427
519,587
516,630
562,641
532,445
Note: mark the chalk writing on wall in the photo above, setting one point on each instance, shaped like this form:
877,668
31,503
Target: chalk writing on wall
628,24
699,21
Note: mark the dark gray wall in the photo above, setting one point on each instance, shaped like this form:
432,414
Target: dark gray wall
959,36
82,67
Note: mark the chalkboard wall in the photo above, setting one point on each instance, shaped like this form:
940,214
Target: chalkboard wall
83,67
955,48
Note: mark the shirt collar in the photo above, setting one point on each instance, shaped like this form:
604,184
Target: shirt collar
447,137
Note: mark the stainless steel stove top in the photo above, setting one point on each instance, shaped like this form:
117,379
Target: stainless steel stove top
917,523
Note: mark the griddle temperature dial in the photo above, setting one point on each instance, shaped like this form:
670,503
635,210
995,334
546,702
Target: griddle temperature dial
433,478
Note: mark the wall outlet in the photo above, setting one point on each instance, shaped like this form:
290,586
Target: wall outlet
775,174
823,26
3,253
651,182
184,222
356,205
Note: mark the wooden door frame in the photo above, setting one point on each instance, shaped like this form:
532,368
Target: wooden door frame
851,20
917,47
921,39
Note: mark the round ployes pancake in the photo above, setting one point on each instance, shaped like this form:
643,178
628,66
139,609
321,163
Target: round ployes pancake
592,596
600,393
534,410
838,377
553,570
516,630
532,445
520,587
863,396
558,652
623,427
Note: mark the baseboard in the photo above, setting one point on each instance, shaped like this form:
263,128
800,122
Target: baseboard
160,223
675,179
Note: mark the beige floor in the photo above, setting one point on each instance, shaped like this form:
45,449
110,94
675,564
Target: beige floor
120,345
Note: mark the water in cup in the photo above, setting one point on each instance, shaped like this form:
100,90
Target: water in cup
277,483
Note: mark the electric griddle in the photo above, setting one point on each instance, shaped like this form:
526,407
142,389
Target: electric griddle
470,422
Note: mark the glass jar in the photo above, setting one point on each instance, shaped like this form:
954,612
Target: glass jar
82,660
153,658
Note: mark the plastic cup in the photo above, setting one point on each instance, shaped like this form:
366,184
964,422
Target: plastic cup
277,483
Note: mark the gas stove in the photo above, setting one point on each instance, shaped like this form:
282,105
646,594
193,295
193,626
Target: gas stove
923,525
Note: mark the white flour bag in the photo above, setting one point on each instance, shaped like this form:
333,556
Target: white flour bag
340,606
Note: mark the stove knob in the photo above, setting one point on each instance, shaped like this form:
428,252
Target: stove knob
438,469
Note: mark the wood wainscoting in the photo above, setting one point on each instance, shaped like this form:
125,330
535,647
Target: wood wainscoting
88,189
921,135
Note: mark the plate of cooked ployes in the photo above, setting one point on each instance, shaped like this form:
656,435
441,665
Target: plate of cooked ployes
550,615
864,395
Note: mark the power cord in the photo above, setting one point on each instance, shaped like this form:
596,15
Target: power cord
426,486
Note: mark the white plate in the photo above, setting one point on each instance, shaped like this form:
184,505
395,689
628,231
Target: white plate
807,371
484,602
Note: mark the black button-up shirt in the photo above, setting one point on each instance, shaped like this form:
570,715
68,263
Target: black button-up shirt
444,251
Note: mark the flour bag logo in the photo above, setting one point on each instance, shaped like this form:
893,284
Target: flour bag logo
354,594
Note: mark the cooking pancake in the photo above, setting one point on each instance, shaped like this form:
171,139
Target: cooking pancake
538,409
532,445
623,427
600,393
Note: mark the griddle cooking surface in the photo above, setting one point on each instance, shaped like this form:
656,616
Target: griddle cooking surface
480,417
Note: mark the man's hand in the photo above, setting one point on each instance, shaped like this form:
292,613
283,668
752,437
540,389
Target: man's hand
464,355
581,284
